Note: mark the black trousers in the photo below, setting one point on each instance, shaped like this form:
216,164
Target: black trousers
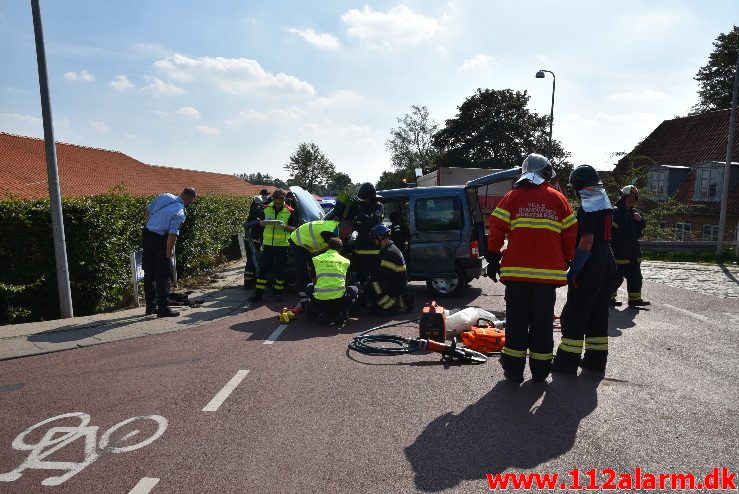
273,262
632,273
529,326
364,265
157,270
302,258
584,318
250,268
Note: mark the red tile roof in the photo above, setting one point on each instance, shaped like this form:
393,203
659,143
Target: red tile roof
685,193
85,171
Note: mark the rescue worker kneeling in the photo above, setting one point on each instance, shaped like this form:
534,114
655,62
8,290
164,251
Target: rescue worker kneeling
329,299
386,288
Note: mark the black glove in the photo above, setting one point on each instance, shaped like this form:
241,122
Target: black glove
493,259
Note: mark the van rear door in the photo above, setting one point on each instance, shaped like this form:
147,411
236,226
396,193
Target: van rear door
482,194
437,222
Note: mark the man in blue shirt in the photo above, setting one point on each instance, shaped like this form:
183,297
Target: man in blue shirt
163,217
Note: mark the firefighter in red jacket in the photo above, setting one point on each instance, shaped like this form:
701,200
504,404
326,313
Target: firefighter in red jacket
540,227
591,277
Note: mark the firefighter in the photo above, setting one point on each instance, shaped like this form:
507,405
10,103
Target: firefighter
386,286
253,231
368,213
540,227
329,297
310,239
274,246
628,228
590,279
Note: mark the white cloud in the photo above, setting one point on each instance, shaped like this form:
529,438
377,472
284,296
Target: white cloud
99,126
209,131
189,112
17,123
272,116
121,83
625,118
341,97
398,26
638,96
479,61
82,75
323,41
230,75
158,87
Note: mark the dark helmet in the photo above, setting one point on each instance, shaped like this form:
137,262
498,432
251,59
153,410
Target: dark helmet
536,163
366,191
584,176
380,231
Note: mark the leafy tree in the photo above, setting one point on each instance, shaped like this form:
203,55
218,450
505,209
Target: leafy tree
393,180
495,129
309,167
716,78
341,182
259,178
410,144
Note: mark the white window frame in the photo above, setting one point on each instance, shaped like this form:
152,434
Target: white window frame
707,179
657,184
714,232
681,231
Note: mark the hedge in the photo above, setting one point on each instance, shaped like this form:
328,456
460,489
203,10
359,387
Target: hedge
100,233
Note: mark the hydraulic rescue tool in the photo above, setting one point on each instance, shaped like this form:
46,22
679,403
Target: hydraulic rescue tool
432,325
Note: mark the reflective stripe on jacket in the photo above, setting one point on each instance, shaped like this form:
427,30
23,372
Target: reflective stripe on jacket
331,268
274,235
541,229
308,235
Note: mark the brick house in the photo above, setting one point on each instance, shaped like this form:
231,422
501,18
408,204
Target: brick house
85,171
684,159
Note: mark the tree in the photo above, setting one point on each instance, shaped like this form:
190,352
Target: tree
341,182
310,168
410,145
259,178
393,180
716,78
495,129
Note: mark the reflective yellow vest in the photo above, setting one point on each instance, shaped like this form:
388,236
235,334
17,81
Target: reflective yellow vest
308,235
331,268
274,235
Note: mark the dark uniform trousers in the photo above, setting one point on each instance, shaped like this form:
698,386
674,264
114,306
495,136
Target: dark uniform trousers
273,261
584,318
250,272
529,325
157,270
302,257
631,271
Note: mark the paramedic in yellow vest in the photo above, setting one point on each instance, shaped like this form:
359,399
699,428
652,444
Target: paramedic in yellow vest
328,300
310,239
277,228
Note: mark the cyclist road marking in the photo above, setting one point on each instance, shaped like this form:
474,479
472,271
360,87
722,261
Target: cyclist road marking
218,399
275,334
688,313
144,486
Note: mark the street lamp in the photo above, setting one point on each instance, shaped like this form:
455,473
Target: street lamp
540,75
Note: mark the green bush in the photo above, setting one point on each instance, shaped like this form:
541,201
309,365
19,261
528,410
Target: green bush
100,233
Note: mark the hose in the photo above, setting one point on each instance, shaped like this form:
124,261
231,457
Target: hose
367,344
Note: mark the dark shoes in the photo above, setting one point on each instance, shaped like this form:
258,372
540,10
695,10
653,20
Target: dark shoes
638,303
513,377
255,298
278,297
167,313
151,310
564,369
615,303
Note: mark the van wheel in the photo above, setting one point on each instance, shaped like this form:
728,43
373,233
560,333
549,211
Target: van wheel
447,287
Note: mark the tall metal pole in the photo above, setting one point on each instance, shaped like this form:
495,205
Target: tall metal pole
551,117
727,166
55,196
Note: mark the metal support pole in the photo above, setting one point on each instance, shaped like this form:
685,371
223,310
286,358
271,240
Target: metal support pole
55,196
551,118
727,166
135,278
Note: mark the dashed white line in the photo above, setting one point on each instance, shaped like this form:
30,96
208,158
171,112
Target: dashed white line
275,334
688,313
218,399
144,486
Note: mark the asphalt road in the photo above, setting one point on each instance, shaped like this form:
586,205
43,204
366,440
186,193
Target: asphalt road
234,407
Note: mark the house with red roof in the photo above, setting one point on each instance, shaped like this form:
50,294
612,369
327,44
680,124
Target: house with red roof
86,171
684,159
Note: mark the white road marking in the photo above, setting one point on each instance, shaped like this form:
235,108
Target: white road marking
144,486
218,399
275,334
688,313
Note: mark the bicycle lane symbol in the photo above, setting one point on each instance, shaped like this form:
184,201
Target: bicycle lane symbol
58,437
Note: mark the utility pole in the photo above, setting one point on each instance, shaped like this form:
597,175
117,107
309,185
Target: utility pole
727,166
55,196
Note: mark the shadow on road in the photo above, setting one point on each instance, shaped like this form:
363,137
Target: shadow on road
728,274
505,429
620,319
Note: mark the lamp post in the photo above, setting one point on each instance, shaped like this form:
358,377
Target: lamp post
540,75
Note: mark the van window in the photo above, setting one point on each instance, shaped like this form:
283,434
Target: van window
438,214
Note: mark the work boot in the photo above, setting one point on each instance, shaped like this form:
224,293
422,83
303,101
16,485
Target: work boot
514,377
167,312
278,296
638,303
615,303
257,297
151,310
410,301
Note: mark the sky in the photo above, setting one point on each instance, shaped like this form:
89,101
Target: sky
235,86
